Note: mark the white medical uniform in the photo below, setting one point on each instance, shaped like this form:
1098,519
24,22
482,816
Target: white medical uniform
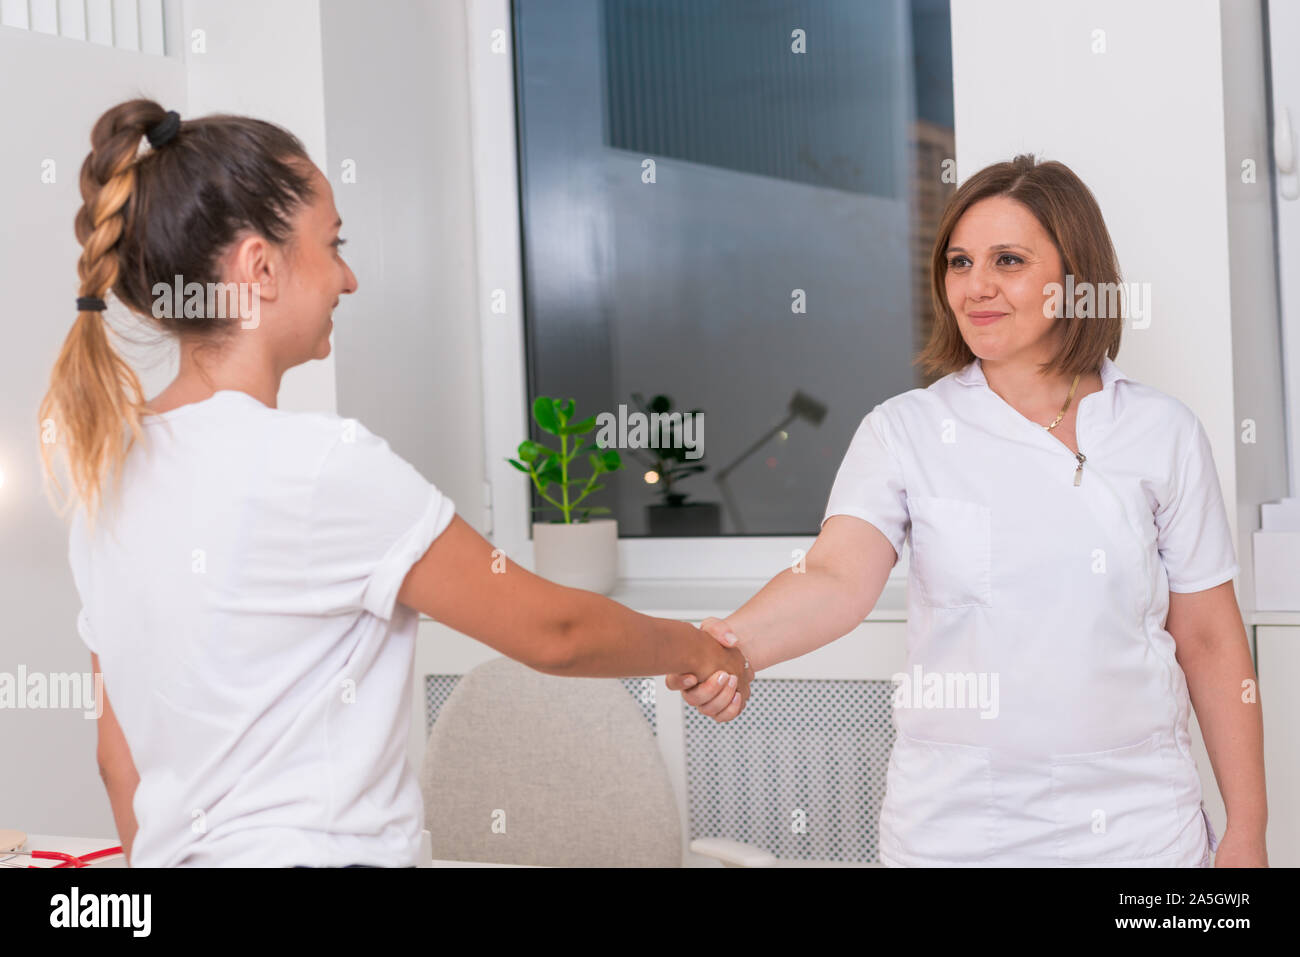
244,610
1058,591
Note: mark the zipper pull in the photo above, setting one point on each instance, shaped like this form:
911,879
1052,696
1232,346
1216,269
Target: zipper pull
1078,473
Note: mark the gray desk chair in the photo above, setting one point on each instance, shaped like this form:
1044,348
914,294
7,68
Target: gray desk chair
528,768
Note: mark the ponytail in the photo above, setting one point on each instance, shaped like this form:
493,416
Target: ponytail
93,390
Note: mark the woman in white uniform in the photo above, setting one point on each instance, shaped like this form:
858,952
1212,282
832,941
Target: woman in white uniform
250,578
1071,569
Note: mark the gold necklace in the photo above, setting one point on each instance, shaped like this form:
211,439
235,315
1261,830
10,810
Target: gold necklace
1057,420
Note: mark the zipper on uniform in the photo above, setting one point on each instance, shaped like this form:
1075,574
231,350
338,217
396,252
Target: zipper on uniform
1078,473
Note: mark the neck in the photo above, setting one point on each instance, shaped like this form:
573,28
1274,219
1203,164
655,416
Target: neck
1021,385
251,374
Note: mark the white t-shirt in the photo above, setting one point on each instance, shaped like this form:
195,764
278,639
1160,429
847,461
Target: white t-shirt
244,610
1050,599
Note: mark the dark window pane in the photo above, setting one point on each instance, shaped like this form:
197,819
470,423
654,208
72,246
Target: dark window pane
780,179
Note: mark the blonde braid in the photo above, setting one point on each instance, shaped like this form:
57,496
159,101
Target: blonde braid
93,390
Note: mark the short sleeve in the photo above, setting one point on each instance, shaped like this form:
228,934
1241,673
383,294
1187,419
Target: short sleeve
372,517
1192,531
869,484
83,629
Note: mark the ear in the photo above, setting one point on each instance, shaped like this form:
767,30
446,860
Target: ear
255,260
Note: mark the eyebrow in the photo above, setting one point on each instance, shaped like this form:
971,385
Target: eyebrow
959,249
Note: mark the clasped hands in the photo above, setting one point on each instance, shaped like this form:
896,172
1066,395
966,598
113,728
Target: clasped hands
718,696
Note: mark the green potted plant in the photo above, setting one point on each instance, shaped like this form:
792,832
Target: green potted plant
673,516
573,549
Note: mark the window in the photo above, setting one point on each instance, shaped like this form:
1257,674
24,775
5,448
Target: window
730,204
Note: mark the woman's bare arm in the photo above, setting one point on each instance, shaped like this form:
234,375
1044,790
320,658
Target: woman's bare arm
1214,653
800,611
116,769
466,584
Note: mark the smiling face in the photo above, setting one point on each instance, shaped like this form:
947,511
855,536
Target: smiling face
999,261
317,275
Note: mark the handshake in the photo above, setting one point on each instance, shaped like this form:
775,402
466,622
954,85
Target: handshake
723,694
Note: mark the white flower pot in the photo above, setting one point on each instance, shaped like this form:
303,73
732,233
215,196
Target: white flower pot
580,555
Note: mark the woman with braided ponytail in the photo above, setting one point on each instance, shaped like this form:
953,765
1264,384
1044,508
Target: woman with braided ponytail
250,577
88,365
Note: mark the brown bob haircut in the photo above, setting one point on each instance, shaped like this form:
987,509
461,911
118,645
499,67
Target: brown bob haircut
1069,213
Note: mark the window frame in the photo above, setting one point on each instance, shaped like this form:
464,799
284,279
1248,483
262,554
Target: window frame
499,261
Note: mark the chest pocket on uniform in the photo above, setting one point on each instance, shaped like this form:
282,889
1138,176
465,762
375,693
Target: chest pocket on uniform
951,551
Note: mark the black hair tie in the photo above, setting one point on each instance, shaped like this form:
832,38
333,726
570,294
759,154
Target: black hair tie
164,131
90,304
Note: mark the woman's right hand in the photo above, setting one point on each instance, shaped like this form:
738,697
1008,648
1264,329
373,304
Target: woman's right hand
716,697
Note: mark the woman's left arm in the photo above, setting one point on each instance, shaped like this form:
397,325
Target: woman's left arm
117,769
1214,653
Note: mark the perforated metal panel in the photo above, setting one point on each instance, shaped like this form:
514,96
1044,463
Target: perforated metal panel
800,774
643,690
438,687
436,690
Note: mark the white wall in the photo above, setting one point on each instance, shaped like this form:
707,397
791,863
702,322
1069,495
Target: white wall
55,89
397,107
